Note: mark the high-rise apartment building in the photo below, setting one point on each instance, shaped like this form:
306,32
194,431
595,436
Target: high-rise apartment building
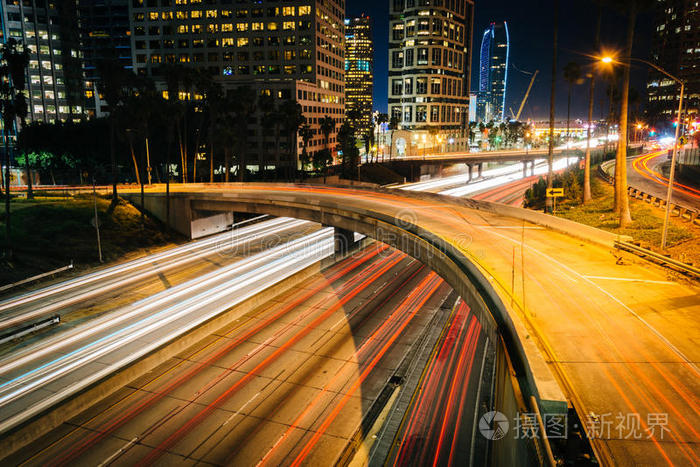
104,35
429,66
292,49
359,73
676,49
44,27
494,58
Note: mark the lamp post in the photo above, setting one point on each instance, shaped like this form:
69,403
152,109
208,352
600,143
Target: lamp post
669,192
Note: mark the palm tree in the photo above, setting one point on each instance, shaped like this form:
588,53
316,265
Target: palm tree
327,127
572,75
227,132
115,79
394,123
244,100
381,119
306,133
622,205
17,59
269,119
552,103
591,98
292,118
472,133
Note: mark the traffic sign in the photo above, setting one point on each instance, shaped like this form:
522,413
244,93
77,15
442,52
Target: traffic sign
555,192
683,140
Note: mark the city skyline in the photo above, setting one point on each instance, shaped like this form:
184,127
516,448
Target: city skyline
531,51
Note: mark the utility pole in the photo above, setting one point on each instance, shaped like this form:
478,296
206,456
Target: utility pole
97,220
669,193
550,154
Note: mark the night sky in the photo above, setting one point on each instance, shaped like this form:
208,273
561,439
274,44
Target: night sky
530,25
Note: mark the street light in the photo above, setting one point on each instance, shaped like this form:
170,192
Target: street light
669,193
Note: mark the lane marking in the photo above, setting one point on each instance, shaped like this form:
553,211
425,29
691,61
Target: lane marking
660,336
630,279
119,452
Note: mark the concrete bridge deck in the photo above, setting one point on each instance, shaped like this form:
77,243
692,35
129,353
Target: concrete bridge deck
620,336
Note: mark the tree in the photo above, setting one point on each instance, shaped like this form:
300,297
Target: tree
572,75
381,119
270,118
228,132
244,101
292,118
321,160
17,60
13,105
115,79
591,99
552,108
472,133
306,133
622,205
347,143
394,123
327,127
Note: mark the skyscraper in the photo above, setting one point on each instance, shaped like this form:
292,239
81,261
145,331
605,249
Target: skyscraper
429,66
494,59
104,35
359,73
676,49
290,50
44,28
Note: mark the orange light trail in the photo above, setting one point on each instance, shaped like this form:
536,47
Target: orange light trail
194,421
336,410
641,166
423,289
319,285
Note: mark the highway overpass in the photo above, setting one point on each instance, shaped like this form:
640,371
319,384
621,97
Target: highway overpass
617,334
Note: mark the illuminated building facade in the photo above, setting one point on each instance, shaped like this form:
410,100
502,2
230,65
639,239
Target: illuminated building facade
104,35
430,45
38,25
494,59
676,49
359,73
291,49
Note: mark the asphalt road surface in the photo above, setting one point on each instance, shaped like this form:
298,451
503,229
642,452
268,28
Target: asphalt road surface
288,383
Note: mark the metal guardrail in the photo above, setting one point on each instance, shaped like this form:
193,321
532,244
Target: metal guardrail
35,278
691,214
29,328
684,268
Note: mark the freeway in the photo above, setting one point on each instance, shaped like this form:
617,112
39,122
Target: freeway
620,350
288,383
619,334
440,423
98,292
44,373
645,174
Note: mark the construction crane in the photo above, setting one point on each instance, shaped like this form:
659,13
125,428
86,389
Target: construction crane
527,94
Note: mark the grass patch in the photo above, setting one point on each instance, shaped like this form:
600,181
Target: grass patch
647,220
50,232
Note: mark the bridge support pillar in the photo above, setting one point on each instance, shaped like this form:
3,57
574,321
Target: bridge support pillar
471,171
478,168
344,240
532,168
525,169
